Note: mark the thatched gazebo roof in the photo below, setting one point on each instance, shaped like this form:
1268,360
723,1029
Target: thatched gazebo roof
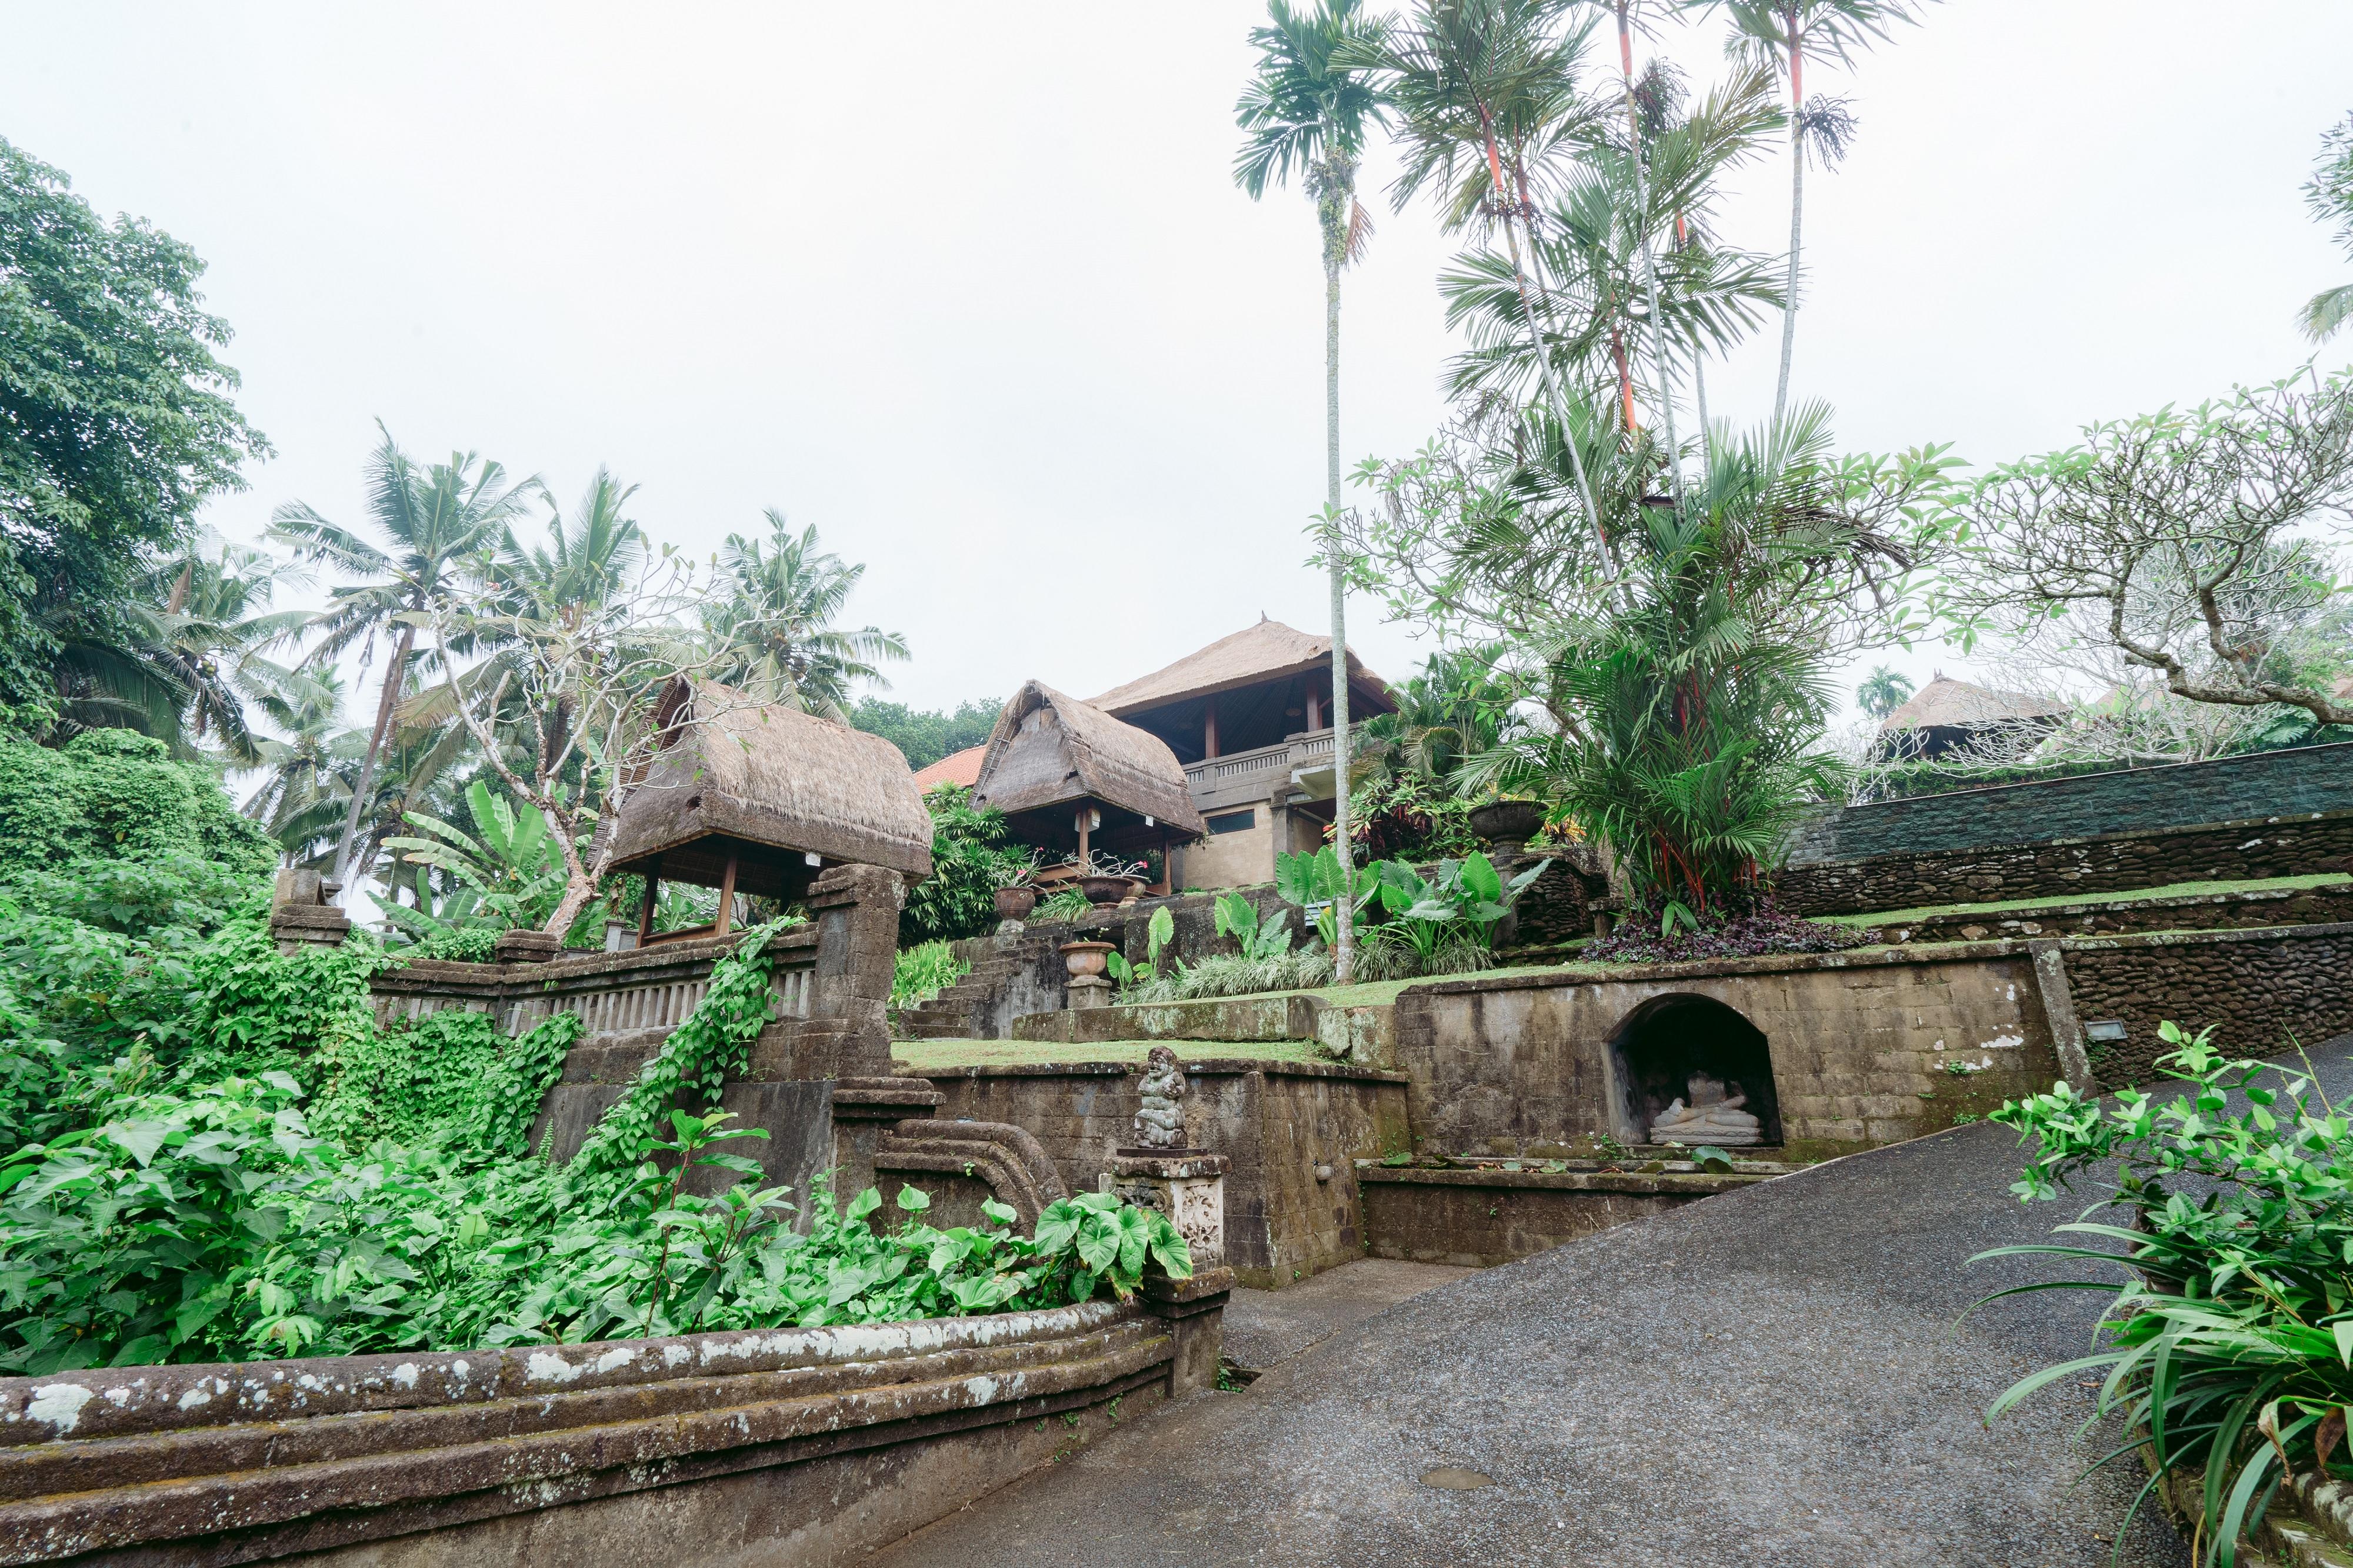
1945,703
768,786
1050,750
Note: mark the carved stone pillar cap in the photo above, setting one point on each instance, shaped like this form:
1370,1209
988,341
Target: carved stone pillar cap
526,947
1169,1164
1206,1286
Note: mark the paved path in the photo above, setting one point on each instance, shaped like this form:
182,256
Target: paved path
1267,1327
1770,1377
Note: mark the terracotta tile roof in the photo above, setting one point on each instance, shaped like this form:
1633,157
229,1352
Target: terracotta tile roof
955,768
1266,651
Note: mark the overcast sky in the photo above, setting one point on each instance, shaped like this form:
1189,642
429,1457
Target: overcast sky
971,288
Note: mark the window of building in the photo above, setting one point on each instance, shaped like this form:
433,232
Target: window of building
1233,822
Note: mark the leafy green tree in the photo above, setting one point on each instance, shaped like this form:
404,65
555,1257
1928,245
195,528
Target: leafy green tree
2329,194
436,524
969,859
924,738
116,421
1785,35
1307,109
1883,692
773,631
119,794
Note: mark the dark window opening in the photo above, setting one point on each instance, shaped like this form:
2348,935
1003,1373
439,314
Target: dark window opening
1232,822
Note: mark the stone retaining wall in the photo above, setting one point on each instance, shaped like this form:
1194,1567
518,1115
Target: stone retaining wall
777,1448
2245,910
1279,1123
2264,991
1478,1218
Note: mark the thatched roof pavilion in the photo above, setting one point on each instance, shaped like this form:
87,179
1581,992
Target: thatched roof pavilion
1249,689
755,798
1070,777
1945,713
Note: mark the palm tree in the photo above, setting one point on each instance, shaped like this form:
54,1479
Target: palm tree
1883,692
182,659
2329,195
439,523
587,562
306,778
1305,112
772,632
1593,247
1786,34
1488,103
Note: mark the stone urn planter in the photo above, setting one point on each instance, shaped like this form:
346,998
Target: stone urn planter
1508,825
1084,959
1109,890
1015,903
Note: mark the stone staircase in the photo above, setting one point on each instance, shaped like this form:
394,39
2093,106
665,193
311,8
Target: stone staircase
1004,976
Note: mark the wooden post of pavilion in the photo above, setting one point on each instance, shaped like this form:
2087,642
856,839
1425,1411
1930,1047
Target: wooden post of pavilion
726,899
645,909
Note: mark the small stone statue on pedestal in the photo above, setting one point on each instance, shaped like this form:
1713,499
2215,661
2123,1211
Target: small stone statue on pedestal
1714,1116
1161,1123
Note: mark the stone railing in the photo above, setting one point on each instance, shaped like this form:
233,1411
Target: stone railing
612,993
790,1447
1245,775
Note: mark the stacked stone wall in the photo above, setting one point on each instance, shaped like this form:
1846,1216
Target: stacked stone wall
2265,992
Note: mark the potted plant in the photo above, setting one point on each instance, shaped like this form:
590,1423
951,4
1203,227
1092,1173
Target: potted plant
1507,825
1108,880
1085,960
1017,893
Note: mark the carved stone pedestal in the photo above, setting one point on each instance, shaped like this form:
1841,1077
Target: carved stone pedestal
302,912
1188,1185
1088,991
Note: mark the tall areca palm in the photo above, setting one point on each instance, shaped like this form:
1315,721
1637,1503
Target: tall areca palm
1488,101
1306,111
773,631
1592,246
437,524
1786,34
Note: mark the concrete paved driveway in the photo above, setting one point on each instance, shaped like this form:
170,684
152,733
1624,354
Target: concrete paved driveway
1769,1377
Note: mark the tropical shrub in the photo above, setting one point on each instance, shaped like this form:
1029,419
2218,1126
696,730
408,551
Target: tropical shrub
1674,935
118,795
1158,932
2230,1348
969,862
923,972
1258,941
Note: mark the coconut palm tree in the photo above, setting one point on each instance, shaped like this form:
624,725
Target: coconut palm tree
1786,34
2329,195
439,523
1305,112
182,659
773,630
1883,692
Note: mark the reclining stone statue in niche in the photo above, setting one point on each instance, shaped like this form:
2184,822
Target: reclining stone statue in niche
1714,1116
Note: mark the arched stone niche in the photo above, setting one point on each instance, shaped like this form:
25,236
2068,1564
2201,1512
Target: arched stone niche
1656,1048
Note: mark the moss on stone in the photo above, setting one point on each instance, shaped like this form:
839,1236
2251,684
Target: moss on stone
920,1057
2060,901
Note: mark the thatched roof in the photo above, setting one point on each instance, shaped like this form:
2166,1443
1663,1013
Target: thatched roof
1267,651
955,768
757,779
1946,703
1049,750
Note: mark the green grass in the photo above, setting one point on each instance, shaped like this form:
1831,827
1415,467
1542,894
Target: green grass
2137,895
921,1057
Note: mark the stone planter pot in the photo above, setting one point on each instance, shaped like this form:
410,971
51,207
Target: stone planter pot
1109,890
1508,825
1084,959
1015,903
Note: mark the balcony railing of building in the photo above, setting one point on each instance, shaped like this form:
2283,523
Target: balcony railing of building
1219,780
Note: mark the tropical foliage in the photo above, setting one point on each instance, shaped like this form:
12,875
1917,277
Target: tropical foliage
2227,1346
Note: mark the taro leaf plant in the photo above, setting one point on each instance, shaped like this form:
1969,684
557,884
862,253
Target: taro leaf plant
1238,918
1313,883
1157,933
2230,1344
1460,900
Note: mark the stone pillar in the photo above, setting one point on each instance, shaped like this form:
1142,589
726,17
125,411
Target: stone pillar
1188,1185
2059,1008
519,946
857,913
302,912
1088,991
